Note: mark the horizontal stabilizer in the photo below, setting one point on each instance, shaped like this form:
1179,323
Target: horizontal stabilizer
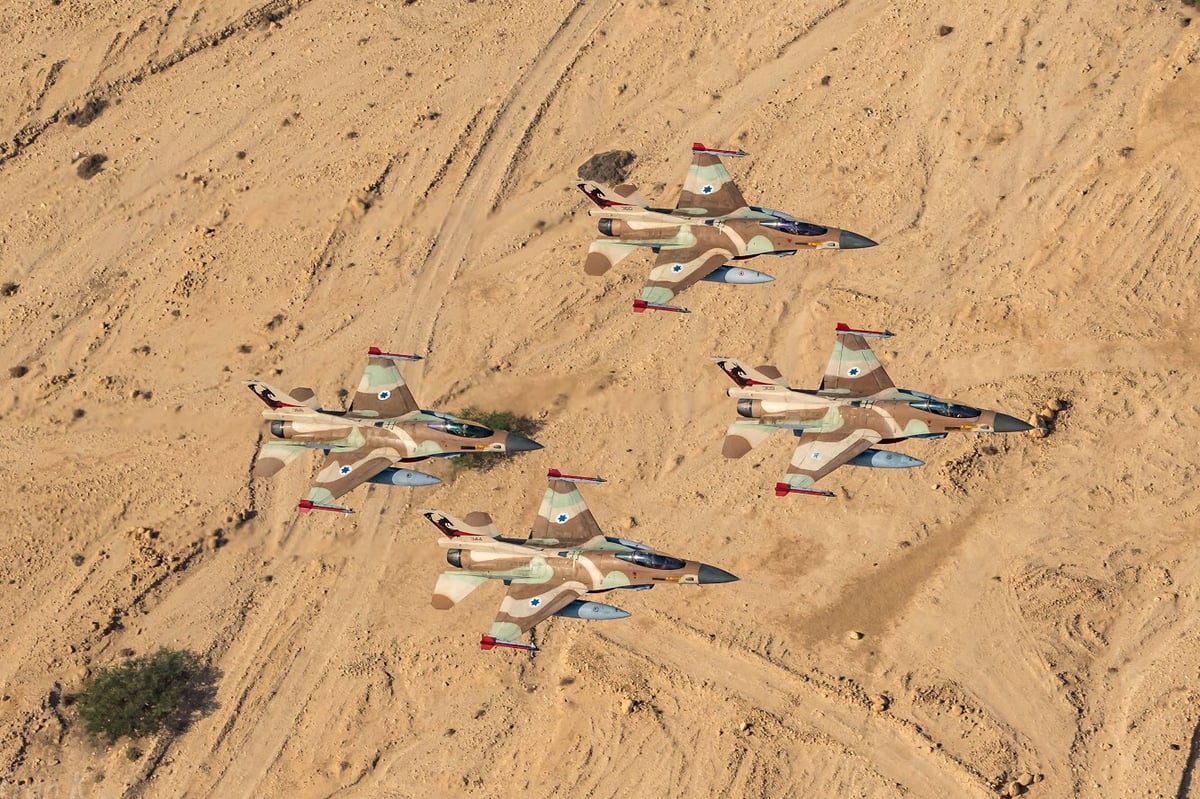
487,643
748,376
640,305
555,474
623,195
375,352
453,587
305,505
700,148
843,328
783,489
307,397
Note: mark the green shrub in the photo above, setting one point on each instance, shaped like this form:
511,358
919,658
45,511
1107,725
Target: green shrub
144,695
496,420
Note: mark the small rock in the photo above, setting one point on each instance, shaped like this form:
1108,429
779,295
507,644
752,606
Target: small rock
18,371
1025,779
745,727
880,703
945,30
854,635
627,706
1055,405
957,710
1039,432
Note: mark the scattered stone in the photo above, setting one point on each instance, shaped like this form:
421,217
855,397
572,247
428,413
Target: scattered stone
126,652
745,727
880,703
1055,405
956,710
945,30
9,289
628,706
245,349
1025,779
19,370
91,165
1013,788
854,635
825,80
77,559
78,413
610,168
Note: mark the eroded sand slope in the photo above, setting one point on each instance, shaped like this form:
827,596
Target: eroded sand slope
289,183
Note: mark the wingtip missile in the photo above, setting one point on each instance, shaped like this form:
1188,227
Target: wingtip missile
306,505
640,306
555,474
783,489
395,356
843,328
698,147
487,642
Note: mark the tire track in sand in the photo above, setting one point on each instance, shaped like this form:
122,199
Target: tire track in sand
490,171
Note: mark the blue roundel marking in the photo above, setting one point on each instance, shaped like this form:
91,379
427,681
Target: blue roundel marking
533,603
677,268
816,456
384,394
707,190
853,371
344,470
561,518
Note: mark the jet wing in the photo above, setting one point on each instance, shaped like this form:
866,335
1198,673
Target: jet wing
343,471
708,190
382,393
821,453
526,604
564,516
273,456
675,270
853,369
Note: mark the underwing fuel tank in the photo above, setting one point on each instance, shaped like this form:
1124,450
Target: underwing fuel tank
884,459
404,477
736,275
592,611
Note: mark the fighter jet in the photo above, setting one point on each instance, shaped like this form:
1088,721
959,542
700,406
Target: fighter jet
856,407
383,426
565,556
710,225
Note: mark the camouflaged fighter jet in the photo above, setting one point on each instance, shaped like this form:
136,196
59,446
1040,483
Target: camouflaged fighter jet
383,426
856,407
565,556
710,225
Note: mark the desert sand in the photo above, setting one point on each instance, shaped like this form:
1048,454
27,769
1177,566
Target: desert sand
284,185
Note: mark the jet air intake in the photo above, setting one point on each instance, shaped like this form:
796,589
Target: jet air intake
454,558
278,428
606,227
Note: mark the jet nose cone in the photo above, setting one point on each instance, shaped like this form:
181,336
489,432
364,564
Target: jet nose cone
519,443
711,574
853,241
1008,424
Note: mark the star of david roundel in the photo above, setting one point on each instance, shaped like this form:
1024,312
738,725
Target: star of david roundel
344,470
561,518
384,394
677,268
533,603
853,371
707,189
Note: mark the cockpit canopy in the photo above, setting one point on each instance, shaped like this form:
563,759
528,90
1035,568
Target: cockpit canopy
461,429
945,408
652,560
794,227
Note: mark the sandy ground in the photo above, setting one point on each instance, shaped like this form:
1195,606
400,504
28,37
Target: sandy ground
287,184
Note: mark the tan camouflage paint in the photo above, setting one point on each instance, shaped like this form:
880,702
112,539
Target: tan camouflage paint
856,407
382,427
565,556
710,225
